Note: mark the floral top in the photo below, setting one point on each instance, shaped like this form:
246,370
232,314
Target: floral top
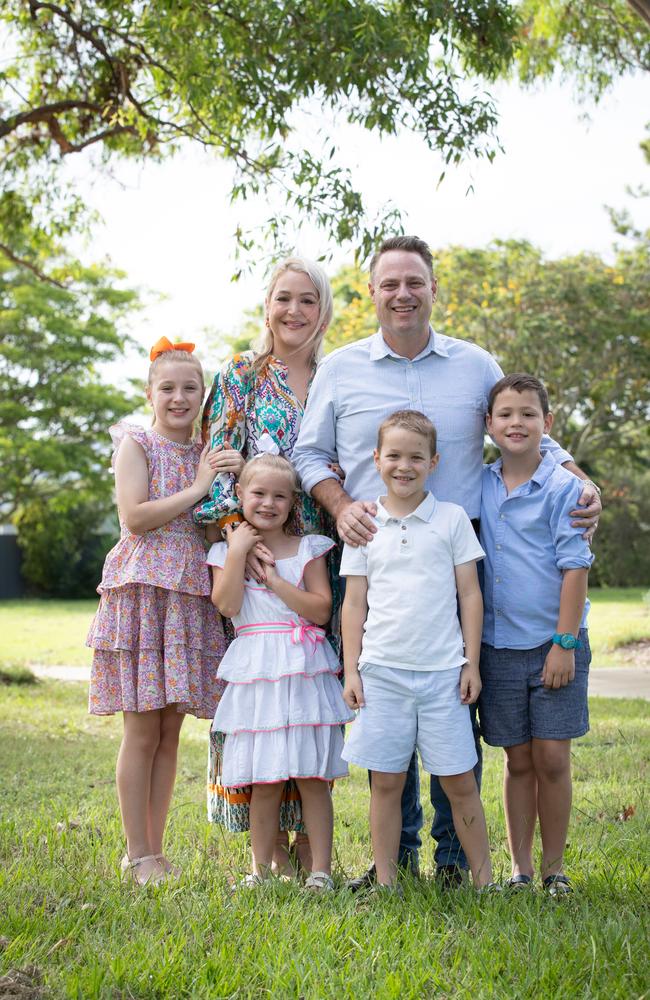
172,556
241,408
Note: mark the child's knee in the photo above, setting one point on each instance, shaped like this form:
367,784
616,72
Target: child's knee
459,786
552,758
385,783
519,760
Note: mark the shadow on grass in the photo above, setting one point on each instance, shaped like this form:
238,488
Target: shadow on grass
17,673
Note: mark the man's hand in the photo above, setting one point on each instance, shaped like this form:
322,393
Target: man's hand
559,667
353,691
588,512
470,684
354,522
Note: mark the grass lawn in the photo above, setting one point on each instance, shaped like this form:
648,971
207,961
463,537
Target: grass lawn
53,632
66,921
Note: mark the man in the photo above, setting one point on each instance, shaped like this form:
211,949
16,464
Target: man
406,365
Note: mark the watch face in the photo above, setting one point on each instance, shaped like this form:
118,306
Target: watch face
567,641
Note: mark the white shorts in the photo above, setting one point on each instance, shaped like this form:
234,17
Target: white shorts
406,709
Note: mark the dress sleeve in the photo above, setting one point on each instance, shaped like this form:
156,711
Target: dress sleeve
224,423
315,546
217,555
119,431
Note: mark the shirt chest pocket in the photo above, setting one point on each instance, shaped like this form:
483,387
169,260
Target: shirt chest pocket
458,418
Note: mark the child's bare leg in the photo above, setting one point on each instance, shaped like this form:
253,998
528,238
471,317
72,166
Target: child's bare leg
140,741
303,851
469,821
281,860
520,799
552,760
163,775
264,820
319,820
386,822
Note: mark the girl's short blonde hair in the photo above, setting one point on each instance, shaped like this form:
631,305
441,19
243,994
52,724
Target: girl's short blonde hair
320,281
276,463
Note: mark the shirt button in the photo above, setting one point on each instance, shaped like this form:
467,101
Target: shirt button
497,579
498,546
502,517
403,527
404,541
498,612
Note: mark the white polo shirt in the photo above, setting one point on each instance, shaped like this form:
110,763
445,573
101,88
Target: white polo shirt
412,618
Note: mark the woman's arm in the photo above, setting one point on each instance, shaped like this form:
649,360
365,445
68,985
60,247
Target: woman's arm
224,417
314,602
471,622
141,514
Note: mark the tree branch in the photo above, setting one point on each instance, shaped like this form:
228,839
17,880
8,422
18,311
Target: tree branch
21,262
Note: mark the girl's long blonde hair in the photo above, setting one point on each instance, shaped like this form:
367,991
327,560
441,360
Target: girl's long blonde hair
320,281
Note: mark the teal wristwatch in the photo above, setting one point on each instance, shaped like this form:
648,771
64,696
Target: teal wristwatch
566,640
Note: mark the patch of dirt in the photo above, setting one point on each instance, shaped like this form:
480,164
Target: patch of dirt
21,984
634,654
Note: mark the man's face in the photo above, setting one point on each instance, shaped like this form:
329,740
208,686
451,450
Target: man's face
403,291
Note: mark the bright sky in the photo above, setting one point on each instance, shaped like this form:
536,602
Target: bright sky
170,225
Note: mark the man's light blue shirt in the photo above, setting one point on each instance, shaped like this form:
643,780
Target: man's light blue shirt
528,541
358,386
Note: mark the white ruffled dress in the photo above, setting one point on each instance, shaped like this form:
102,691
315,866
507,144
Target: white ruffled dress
283,707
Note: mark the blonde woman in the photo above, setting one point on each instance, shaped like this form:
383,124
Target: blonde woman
258,396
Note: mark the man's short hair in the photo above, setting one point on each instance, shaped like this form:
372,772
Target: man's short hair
520,382
409,420
412,244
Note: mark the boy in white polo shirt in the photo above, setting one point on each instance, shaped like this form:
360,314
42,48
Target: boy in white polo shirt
410,668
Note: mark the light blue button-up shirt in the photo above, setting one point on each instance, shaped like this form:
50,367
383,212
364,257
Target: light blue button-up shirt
528,541
358,386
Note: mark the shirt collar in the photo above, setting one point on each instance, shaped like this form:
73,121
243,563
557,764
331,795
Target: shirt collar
423,512
539,476
379,348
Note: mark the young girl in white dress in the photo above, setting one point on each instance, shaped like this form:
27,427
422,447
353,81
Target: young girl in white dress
283,706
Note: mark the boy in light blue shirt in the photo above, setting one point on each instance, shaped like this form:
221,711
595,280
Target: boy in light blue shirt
535,651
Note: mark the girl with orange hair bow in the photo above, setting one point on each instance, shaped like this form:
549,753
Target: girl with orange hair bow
157,639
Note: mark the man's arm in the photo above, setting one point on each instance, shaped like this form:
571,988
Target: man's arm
353,517
313,456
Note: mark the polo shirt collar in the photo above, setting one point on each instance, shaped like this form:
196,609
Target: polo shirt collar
423,512
379,348
539,476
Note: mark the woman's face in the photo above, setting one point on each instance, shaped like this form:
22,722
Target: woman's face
292,312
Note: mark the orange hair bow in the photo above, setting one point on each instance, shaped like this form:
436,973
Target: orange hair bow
163,345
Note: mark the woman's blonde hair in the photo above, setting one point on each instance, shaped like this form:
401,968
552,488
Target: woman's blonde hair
320,281
275,463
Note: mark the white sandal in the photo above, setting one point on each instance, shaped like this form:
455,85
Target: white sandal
320,882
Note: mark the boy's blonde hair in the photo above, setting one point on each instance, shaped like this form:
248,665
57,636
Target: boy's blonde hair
275,463
409,420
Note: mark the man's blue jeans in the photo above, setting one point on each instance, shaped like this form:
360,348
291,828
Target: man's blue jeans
448,851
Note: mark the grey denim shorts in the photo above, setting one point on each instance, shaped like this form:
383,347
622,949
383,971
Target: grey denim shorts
515,707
